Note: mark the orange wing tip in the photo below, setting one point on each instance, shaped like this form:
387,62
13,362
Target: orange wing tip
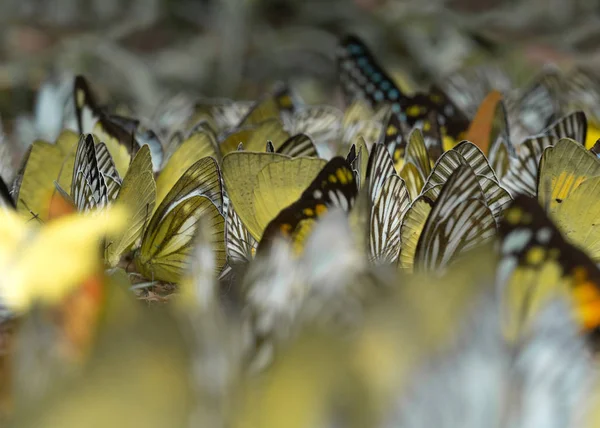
479,130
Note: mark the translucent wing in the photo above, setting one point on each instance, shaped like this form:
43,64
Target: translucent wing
386,217
459,221
88,188
380,167
417,155
410,231
107,168
241,246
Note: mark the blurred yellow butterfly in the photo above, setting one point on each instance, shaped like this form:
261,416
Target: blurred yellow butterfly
46,262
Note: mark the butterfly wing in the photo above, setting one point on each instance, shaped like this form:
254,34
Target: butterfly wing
459,221
88,188
168,240
334,186
539,264
298,145
138,195
387,214
197,146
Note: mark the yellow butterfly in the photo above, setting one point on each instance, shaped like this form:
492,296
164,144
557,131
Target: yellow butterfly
260,185
42,165
196,146
569,190
137,194
46,262
168,239
254,138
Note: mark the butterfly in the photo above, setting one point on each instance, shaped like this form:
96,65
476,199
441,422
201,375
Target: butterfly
255,137
167,240
199,144
89,189
439,228
362,77
322,124
43,164
568,188
390,199
122,135
538,263
46,262
261,184
522,174
334,186
137,193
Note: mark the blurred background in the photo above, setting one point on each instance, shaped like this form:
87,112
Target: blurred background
142,52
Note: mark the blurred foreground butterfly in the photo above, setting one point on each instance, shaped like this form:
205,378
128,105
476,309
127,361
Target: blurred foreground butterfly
538,264
334,186
363,78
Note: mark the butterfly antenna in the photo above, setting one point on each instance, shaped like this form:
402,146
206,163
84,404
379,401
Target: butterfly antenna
34,215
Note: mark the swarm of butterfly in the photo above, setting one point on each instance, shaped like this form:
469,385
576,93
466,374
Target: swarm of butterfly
411,260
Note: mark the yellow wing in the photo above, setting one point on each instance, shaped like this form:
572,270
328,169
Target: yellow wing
118,151
138,195
410,232
47,263
247,184
263,110
569,188
279,184
563,167
254,139
45,164
195,147
168,242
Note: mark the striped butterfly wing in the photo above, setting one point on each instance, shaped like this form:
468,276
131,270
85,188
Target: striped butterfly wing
466,153
240,245
108,170
321,123
458,222
522,176
538,264
387,214
88,187
379,168
533,109
298,145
